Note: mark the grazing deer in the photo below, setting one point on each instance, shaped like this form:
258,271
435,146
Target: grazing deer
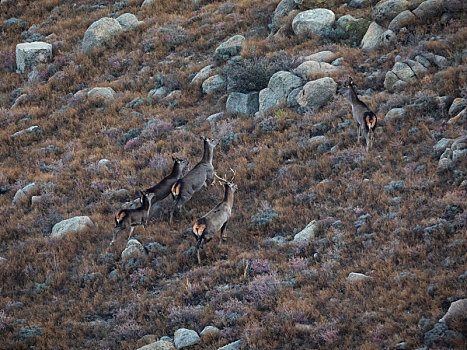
365,118
186,187
132,217
163,188
206,227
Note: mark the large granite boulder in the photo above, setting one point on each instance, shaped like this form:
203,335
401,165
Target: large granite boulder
30,54
74,224
231,47
100,33
239,103
312,22
317,93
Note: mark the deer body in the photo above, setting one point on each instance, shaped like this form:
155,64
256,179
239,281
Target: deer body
206,227
163,188
365,118
131,217
186,187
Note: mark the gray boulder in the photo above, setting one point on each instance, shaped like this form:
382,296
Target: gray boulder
456,316
101,94
239,103
30,54
100,33
403,73
279,87
209,330
202,75
442,144
356,277
317,93
457,106
282,10
429,9
185,337
231,47
377,37
158,345
307,234
74,224
267,99
403,19
128,22
394,115
311,22
147,4
386,10
236,345
355,28
25,192
158,94
310,69
322,56
214,84
133,248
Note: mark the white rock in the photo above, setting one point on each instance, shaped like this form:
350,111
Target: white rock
307,234
101,94
74,224
311,22
236,345
355,276
322,56
185,337
386,10
133,248
309,69
147,3
377,37
32,130
457,106
100,32
214,84
238,103
317,93
158,345
30,54
202,75
128,21
209,330
403,19
24,192
232,47
394,114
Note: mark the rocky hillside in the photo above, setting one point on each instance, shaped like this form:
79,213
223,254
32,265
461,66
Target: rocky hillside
328,246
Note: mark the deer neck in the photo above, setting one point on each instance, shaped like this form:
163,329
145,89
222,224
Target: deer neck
176,171
353,95
228,196
207,155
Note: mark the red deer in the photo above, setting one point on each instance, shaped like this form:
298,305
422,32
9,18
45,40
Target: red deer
131,217
163,188
208,225
186,187
365,118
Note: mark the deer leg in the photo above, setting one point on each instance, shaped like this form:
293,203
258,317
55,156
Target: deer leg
116,230
223,234
131,231
199,257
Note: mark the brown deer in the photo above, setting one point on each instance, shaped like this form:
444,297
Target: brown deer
162,189
206,227
186,187
131,217
365,118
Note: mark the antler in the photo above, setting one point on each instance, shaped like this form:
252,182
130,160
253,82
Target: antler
225,176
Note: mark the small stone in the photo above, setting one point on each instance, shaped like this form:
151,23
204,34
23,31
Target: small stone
356,277
237,345
307,234
158,345
456,316
185,337
209,330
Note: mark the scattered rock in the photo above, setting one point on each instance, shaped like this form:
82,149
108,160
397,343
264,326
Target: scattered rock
441,336
158,345
429,9
310,69
209,330
128,22
396,185
356,277
100,32
322,56
395,115
311,22
317,93
354,28
26,333
377,37
32,131
307,234
133,248
282,10
403,19
74,224
24,193
213,84
236,345
457,106
231,47
202,75
442,144
158,93
185,337
147,4
15,23
30,54
279,87
403,73
238,103
386,10
101,94
36,200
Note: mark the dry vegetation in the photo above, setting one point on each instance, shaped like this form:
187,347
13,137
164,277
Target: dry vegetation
80,293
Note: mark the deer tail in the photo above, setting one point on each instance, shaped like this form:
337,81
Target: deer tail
175,190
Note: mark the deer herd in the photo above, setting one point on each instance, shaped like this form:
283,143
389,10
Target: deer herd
184,188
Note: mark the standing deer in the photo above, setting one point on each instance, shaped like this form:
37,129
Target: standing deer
365,118
186,187
131,217
163,188
206,227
